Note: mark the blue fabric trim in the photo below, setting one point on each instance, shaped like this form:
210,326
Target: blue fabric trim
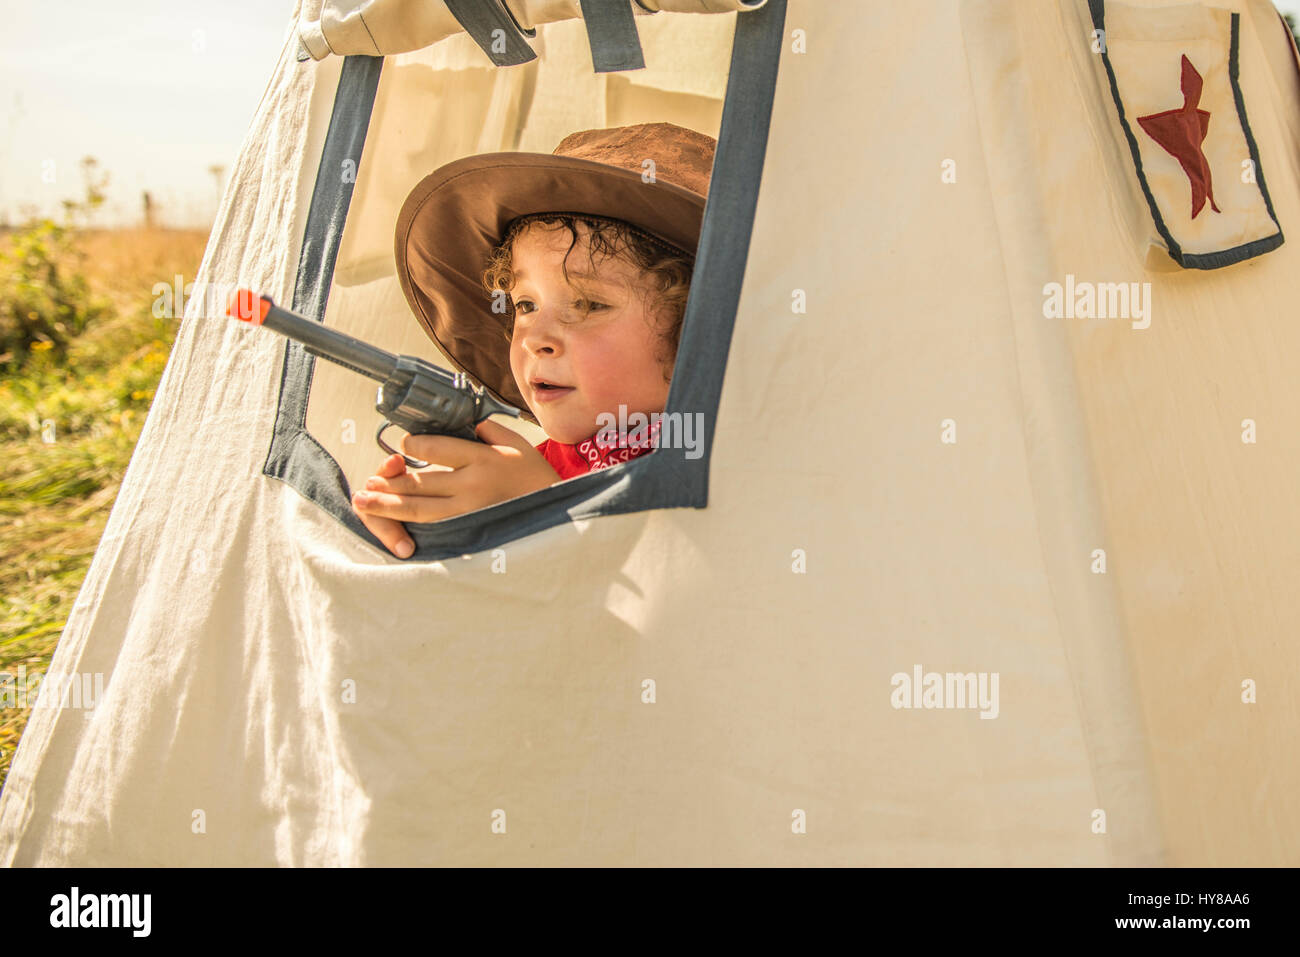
295,456
611,33
665,478
1234,69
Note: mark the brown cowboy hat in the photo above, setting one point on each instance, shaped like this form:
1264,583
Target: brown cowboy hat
455,216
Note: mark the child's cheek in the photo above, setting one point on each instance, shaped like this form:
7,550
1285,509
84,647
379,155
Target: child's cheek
602,387
607,366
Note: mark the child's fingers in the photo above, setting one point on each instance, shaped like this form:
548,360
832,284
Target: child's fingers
494,433
391,533
407,508
434,482
393,466
442,449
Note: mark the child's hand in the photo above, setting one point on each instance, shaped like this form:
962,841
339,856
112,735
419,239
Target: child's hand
391,533
506,467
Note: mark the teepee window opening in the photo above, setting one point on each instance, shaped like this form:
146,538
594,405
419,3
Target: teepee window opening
665,479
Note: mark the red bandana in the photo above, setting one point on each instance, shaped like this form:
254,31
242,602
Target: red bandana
597,453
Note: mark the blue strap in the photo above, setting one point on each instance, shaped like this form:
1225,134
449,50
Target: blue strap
494,29
611,32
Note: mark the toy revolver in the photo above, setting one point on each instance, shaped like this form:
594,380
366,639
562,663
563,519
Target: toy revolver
414,394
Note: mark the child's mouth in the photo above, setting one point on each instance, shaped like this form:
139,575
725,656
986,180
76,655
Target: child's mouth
548,392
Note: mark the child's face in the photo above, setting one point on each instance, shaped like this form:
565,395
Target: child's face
603,359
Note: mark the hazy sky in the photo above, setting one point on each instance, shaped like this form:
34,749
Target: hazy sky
156,90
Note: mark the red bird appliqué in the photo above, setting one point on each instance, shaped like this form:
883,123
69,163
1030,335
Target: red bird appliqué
1181,132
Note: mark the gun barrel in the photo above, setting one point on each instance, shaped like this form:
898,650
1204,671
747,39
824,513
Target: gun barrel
318,339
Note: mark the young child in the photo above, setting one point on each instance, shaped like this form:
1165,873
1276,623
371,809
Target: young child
584,310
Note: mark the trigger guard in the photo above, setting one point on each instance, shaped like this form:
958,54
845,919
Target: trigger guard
379,437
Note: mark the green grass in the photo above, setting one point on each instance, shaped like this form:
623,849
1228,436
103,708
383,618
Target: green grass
89,395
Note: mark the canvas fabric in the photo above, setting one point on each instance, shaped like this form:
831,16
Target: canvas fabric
385,27
685,686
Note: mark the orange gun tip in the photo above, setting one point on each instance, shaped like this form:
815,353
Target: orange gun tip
248,306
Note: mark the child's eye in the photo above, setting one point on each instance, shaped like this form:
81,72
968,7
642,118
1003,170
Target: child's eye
578,304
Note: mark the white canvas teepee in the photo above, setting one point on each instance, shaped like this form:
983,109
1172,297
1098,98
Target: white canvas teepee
930,448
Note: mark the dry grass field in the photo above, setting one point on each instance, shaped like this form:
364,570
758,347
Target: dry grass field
70,415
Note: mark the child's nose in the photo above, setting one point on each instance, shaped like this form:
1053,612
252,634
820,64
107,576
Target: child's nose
541,342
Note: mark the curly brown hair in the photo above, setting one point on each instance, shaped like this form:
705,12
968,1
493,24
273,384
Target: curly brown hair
665,270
